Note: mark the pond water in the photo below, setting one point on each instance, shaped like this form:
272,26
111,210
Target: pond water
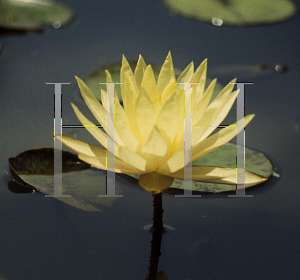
214,237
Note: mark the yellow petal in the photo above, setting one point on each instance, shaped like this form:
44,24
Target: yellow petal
169,118
104,98
110,80
139,71
91,101
129,94
220,138
95,155
122,127
149,85
125,67
98,134
135,160
170,88
185,76
176,161
213,118
155,149
166,74
99,161
200,108
154,182
218,175
80,146
129,87
199,77
145,114
179,138
108,77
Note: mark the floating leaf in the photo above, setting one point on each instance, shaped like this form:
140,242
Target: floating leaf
99,76
228,72
225,156
31,15
35,169
234,12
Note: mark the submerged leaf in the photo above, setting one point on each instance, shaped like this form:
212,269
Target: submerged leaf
234,12
31,15
225,156
35,169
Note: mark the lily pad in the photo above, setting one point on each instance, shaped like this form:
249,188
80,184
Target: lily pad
225,156
31,15
35,169
99,76
228,72
234,12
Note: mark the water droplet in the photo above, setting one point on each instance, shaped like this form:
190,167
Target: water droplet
217,21
56,24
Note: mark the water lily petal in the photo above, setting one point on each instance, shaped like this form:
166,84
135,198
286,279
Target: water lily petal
218,175
110,80
214,117
185,76
135,160
155,149
80,146
122,127
216,106
99,161
90,127
129,88
129,95
220,138
96,156
139,71
170,88
92,102
199,77
166,74
176,161
154,182
169,118
145,114
149,85
200,108
103,98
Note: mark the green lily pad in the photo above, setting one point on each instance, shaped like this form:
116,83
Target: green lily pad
99,76
35,169
225,156
31,15
234,12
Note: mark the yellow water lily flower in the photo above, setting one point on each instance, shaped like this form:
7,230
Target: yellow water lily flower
149,129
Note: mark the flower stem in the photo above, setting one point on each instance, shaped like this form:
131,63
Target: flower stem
157,213
157,232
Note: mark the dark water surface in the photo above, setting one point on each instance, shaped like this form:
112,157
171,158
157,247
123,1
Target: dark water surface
215,237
